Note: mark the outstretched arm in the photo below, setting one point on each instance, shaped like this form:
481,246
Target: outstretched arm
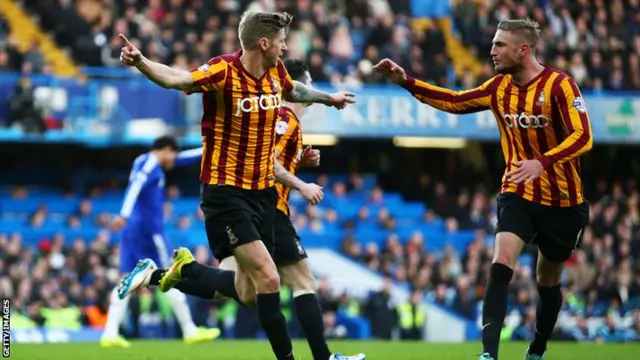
456,102
160,74
188,157
165,76
302,93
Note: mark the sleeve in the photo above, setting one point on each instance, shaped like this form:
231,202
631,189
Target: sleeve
573,112
137,181
189,157
285,130
456,102
285,78
209,76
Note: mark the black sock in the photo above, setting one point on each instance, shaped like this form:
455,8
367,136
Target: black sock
156,275
211,279
494,308
549,304
275,325
195,288
310,317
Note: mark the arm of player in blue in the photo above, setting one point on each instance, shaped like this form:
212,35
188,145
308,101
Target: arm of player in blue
189,157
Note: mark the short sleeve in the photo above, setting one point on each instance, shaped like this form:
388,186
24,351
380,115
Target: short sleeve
284,131
285,78
209,76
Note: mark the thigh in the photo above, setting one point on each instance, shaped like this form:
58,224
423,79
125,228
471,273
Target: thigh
560,230
267,203
230,219
288,249
514,217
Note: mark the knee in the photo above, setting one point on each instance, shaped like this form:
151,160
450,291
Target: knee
501,273
546,279
247,298
507,249
300,281
267,279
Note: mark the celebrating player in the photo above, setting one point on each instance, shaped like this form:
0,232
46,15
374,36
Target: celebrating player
242,95
289,255
142,217
544,127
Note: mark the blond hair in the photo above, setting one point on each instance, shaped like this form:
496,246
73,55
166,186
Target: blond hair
528,30
258,24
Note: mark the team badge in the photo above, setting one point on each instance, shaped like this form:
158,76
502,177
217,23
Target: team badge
541,97
276,87
579,104
204,68
282,127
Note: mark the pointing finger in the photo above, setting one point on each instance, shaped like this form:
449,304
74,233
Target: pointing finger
126,41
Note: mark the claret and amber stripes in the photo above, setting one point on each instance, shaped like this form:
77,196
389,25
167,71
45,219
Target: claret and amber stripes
545,119
238,123
289,145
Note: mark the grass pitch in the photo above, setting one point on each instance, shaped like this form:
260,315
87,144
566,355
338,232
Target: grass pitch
260,350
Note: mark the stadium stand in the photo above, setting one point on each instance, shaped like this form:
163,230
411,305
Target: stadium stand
444,253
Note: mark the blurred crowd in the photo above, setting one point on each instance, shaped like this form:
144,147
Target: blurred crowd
597,42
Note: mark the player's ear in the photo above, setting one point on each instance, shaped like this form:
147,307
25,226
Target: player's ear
263,43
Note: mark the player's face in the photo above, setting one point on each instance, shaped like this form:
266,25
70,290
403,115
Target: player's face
275,48
169,157
507,52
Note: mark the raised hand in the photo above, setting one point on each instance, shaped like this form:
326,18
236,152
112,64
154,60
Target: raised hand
341,99
391,70
129,54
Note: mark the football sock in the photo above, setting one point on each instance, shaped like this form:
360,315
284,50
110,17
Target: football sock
214,279
202,281
117,312
494,307
310,316
274,325
156,275
549,304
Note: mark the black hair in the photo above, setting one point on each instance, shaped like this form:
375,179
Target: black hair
296,69
165,141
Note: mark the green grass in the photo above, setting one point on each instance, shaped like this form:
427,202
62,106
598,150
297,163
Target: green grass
259,350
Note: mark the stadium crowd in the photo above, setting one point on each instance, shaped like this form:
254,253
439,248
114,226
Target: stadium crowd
65,282
597,42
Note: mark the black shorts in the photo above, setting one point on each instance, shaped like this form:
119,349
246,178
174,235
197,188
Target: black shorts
288,249
234,217
556,230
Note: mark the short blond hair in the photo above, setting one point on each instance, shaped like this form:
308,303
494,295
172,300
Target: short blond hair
528,30
255,25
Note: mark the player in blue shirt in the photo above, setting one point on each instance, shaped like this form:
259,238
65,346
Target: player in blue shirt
142,222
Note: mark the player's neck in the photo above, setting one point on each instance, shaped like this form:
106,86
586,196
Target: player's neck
529,71
253,63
